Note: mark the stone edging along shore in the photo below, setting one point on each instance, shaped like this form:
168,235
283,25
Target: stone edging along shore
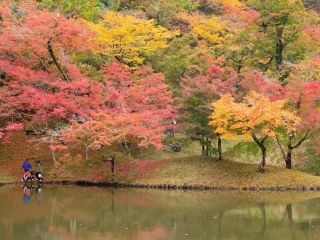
175,186
184,186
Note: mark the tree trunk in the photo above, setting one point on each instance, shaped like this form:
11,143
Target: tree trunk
287,156
220,148
207,147
53,153
65,77
289,159
87,152
263,151
203,148
279,48
263,160
112,168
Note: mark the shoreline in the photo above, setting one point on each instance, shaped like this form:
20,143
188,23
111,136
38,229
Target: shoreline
185,187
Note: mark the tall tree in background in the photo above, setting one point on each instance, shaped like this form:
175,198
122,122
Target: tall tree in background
129,39
197,95
277,35
89,10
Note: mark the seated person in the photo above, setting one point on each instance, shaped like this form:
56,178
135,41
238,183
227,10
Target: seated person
26,165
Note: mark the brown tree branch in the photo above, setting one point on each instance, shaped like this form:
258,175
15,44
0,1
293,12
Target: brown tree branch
301,140
65,77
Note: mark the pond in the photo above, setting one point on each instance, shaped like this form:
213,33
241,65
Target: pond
67,212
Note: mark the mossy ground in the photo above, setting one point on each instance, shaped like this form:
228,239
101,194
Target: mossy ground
207,171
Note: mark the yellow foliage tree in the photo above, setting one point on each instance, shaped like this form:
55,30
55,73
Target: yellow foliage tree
210,31
130,39
256,116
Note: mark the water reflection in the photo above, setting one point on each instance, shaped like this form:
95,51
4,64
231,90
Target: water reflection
29,190
93,213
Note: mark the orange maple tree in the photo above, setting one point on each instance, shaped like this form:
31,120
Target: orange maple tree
256,117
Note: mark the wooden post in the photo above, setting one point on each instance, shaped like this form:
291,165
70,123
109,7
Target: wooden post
112,160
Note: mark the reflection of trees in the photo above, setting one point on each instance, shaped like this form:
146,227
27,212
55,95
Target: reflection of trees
262,233
77,213
52,210
73,228
290,220
220,221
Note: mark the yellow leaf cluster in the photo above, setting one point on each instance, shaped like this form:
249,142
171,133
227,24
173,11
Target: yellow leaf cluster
231,3
255,114
211,30
130,39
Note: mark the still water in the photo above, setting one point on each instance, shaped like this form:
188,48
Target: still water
63,213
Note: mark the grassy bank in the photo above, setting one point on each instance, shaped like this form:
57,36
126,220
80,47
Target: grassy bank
147,167
226,173
190,171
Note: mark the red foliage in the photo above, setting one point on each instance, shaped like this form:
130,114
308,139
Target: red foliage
253,80
313,31
218,81
305,98
240,15
138,108
40,82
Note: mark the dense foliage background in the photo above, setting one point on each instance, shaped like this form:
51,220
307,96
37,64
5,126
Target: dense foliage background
239,77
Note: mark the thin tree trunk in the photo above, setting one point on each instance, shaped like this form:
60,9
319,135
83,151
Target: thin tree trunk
291,147
203,148
220,148
112,168
279,48
289,154
53,153
65,77
263,160
87,152
207,147
127,149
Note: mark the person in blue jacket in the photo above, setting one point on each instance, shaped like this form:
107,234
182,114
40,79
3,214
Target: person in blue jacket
26,165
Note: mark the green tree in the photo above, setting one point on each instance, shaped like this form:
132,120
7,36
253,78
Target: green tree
174,61
85,9
277,35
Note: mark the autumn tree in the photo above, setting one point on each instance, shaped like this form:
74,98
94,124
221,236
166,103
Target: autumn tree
255,117
277,35
90,134
40,81
304,99
197,95
129,39
210,31
139,107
